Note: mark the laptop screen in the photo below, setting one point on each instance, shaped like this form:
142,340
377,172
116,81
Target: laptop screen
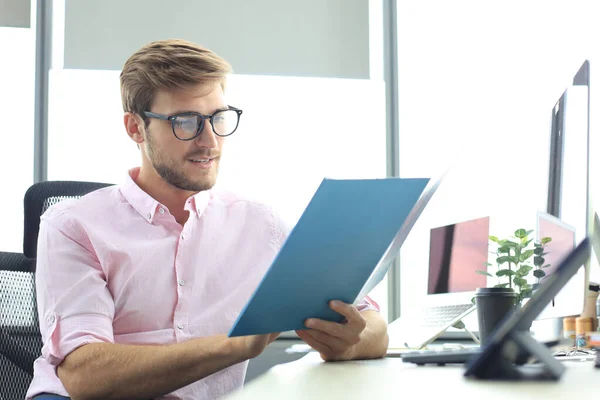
456,252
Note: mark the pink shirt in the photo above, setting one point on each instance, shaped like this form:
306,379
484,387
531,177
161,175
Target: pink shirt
115,267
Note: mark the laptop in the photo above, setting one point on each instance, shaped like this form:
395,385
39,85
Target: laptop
456,252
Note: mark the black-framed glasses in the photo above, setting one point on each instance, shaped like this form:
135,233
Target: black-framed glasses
188,125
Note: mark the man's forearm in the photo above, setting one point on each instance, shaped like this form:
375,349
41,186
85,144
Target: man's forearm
113,371
374,339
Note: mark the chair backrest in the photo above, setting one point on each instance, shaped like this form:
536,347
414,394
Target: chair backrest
20,339
39,197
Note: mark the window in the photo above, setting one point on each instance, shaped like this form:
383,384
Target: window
294,130
16,152
477,82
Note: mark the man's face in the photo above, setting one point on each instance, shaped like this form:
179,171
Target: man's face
183,164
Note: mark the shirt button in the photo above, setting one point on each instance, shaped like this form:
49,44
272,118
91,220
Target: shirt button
181,282
183,236
148,215
180,326
51,319
161,210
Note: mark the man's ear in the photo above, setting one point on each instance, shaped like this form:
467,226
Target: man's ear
135,127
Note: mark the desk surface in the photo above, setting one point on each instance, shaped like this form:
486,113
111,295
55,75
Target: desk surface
311,378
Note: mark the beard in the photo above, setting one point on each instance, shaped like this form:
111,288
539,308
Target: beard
175,176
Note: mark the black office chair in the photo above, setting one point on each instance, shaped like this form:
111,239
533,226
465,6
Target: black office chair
20,339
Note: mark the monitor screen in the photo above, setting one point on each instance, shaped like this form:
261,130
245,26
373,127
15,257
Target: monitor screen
456,252
569,301
563,239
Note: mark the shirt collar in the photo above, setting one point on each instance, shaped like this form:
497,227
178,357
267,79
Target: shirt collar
147,206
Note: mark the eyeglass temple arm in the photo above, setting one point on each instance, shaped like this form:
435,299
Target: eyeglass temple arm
158,116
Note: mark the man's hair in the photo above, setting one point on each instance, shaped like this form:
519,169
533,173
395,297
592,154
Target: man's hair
168,65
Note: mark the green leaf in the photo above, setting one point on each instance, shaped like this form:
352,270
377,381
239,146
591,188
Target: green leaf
504,249
502,259
488,264
513,259
529,232
538,273
525,255
520,233
508,243
538,261
524,270
502,285
505,272
546,240
494,239
538,251
526,293
519,281
525,243
481,272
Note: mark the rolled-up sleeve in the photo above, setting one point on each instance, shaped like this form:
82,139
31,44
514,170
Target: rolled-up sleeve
74,304
367,304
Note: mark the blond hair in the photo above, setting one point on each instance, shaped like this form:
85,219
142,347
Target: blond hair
168,65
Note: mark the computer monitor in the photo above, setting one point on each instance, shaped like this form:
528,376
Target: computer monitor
569,190
456,252
569,194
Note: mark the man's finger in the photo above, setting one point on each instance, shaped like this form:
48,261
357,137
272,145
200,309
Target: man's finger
347,332
334,343
314,343
347,310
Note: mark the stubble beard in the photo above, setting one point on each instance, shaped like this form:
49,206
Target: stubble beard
175,176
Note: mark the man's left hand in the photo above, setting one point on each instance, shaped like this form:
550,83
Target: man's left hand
335,341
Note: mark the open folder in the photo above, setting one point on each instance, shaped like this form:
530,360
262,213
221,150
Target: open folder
341,247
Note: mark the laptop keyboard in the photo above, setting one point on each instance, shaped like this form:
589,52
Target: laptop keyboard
441,315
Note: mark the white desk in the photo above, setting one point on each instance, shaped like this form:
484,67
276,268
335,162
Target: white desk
390,378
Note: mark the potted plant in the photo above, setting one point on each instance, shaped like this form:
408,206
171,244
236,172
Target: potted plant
516,258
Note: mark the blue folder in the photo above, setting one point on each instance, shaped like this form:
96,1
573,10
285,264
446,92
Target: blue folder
341,247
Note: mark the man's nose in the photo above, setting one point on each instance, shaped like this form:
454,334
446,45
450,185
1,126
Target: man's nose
207,137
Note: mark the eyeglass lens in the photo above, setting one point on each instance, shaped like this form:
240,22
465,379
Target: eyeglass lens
223,123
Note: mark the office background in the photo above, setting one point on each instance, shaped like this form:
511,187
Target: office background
337,88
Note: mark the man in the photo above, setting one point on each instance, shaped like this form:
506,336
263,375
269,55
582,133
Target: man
139,283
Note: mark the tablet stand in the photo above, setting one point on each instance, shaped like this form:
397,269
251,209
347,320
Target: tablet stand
508,356
461,325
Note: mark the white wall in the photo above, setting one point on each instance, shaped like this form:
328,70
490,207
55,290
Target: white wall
259,37
15,13
292,134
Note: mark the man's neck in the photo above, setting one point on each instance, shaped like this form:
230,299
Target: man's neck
171,197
